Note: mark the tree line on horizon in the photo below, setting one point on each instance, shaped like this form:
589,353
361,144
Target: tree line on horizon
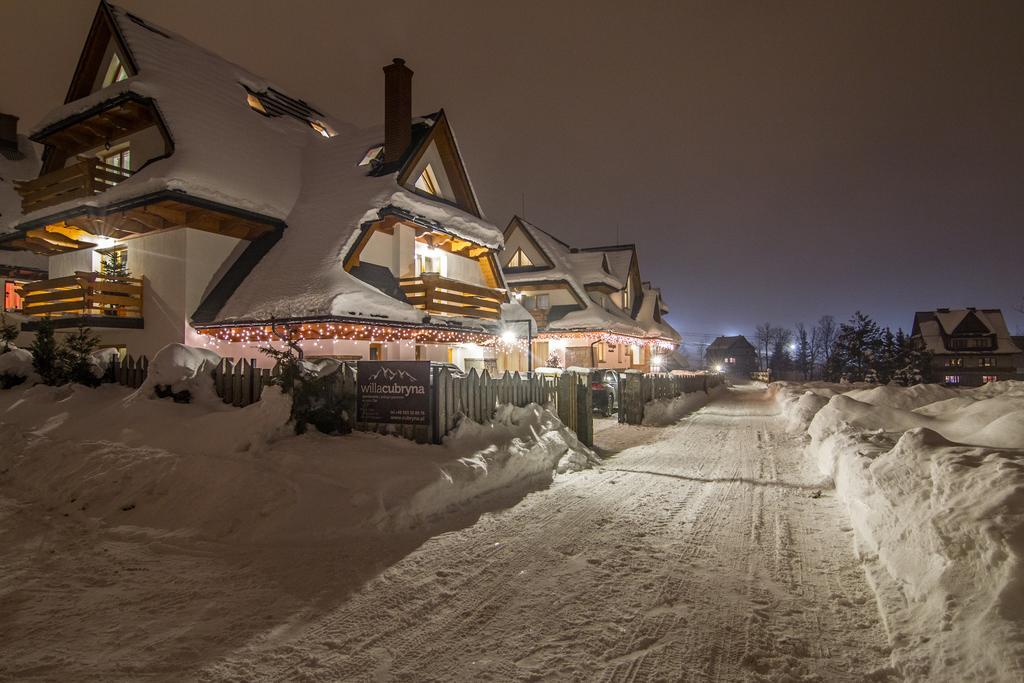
859,350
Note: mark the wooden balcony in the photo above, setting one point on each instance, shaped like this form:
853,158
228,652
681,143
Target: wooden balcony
102,300
436,294
88,177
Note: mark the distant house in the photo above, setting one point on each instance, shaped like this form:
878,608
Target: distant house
591,305
969,346
734,356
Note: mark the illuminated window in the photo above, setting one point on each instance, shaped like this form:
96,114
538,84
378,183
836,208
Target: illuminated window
428,182
537,302
599,352
989,378
731,360
952,379
954,362
255,103
115,72
970,342
430,260
12,300
987,362
519,260
322,128
372,155
120,157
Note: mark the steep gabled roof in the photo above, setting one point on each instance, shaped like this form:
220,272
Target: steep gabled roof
224,151
649,316
733,343
934,328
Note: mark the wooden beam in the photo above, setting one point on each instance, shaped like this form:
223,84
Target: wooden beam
168,212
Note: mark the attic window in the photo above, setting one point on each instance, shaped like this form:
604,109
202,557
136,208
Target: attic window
272,103
372,155
255,103
322,128
519,260
115,72
428,182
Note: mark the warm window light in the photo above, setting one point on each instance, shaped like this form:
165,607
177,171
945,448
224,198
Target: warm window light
254,102
519,260
429,260
322,128
371,155
428,182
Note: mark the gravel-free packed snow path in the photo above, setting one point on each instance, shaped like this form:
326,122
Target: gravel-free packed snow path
696,552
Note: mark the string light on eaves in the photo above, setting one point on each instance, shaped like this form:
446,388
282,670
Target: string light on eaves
257,334
609,338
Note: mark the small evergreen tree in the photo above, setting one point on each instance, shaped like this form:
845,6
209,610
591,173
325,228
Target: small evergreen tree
552,361
8,333
857,349
75,356
46,356
803,361
313,400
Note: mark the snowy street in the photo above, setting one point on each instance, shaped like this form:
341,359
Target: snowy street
695,552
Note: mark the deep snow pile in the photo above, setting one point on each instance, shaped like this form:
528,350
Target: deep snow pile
207,470
662,412
933,479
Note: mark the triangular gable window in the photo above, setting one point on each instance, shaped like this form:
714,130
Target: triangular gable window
116,72
519,260
427,182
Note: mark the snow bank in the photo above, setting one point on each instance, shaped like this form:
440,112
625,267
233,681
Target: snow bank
662,412
18,363
183,368
158,469
933,479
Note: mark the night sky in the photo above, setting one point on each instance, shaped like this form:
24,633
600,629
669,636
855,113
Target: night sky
772,161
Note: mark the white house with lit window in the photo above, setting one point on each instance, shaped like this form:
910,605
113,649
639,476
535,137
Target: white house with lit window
591,305
183,199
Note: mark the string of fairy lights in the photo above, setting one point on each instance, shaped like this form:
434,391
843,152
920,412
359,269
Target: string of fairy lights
320,334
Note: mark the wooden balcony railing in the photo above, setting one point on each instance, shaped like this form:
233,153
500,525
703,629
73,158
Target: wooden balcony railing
88,177
83,294
436,294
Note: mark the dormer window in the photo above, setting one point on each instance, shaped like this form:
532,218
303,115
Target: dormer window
427,182
519,260
273,103
372,154
115,72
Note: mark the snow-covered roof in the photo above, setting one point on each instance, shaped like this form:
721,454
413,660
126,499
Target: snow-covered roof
934,327
303,274
736,342
588,268
11,170
650,311
224,151
10,201
558,253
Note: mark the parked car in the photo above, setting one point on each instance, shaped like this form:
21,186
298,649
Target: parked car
454,369
604,385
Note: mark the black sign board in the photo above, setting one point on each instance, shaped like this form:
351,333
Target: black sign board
394,391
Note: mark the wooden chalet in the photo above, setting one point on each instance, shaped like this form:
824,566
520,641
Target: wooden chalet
591,305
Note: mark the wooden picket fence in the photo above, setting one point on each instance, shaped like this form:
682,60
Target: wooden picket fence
637,390
132,372
475,396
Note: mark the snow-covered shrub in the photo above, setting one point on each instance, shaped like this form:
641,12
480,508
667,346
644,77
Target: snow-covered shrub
8,333
310,384
15,368
182,372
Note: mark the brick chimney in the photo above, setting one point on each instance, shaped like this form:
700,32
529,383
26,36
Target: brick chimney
9,137
397,110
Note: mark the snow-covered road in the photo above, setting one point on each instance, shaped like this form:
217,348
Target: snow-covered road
696,552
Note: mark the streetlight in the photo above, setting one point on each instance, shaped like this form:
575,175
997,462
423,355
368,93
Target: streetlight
508,336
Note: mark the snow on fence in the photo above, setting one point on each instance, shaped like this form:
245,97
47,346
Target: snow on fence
637,390
131,372
478,396
475,396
